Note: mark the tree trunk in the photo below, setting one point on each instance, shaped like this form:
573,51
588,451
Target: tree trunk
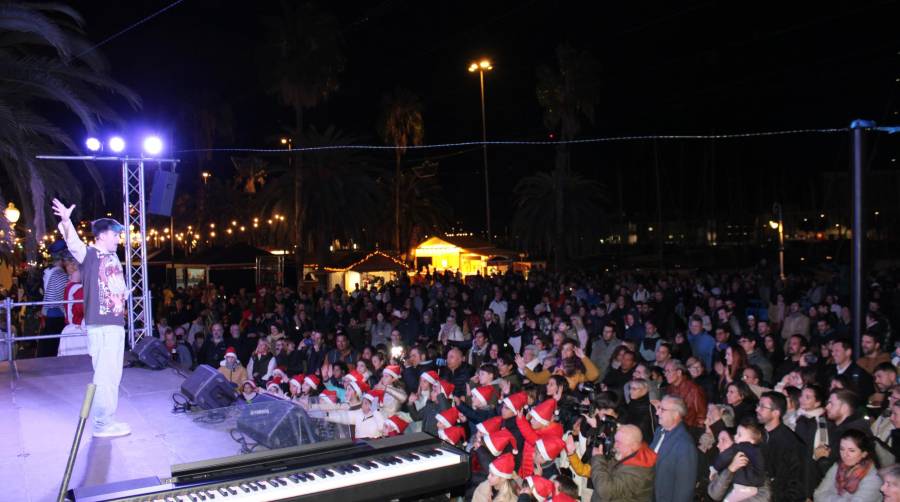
659,220
397,204
299,212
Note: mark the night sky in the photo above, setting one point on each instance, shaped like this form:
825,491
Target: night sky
667,67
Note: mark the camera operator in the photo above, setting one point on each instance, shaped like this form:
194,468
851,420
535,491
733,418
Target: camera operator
596,426
627,473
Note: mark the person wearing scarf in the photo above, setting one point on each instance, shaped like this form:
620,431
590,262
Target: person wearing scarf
854,478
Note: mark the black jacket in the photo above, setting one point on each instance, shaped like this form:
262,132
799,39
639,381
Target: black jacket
458,378
783,453
859,379
639,412
835,431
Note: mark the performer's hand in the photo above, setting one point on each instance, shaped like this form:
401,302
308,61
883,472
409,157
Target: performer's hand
60,209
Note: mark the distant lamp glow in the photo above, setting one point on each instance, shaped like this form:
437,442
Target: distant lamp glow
773,224
93,144
12,213
116,144
153,145
473,67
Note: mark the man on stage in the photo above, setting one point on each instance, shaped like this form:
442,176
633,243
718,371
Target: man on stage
104,312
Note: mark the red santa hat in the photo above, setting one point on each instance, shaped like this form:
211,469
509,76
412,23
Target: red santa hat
328,396
543,412
393,370
230,352
397,423
550,447
297,380
503,466
448,417
516,401
275,382
375,397
354,375
541,488
281,372
447,389
430,377
484,393
312,380
496,442
562,497
250,381
490,425
453,435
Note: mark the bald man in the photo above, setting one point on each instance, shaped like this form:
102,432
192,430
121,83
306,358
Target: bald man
629,475
457,371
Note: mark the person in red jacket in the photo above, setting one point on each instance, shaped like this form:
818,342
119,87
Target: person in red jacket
74,313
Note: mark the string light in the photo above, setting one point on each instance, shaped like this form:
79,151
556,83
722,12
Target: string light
606,139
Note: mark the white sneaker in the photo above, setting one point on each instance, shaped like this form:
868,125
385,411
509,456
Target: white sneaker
113,430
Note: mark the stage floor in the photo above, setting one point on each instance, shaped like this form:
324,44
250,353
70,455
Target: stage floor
40,413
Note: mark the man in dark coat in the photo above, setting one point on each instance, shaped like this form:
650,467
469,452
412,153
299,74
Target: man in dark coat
457,371
782,450
676,463
859,380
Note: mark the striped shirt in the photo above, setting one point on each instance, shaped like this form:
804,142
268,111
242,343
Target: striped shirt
55,280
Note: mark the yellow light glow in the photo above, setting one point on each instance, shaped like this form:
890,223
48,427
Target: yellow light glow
228,231
212,225
473,67
242,228
284,141
484,64
212,234
233,223
255,225
773,224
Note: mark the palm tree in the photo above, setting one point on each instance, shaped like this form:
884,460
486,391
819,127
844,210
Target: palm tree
539,216
566,94
250,173
340,197
45,66
304,73
422,204
401,124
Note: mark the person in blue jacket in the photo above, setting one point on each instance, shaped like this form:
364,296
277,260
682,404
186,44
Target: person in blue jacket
676,462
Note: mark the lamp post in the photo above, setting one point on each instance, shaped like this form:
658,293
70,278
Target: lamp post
12,214
779,225
481,67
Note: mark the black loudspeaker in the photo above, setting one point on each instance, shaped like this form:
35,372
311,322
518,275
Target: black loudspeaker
208,389
272,423
163,193
151,352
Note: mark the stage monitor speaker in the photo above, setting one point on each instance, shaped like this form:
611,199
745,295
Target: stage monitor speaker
272,423
151,352
163,193
208,388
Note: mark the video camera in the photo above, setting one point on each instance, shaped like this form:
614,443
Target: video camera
604,435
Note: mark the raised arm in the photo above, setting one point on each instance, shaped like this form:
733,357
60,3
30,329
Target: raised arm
67,230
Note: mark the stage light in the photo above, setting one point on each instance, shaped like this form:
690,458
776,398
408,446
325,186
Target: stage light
93,144
153,145
116,144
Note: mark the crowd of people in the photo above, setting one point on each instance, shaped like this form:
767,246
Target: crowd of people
658,386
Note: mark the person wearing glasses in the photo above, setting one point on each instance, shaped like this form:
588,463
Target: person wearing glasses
676,462
786,466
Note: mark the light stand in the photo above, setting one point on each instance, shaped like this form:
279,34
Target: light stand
140,319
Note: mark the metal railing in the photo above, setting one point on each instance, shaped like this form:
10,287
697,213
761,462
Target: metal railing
10,339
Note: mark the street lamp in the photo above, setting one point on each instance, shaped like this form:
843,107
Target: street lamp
206,175
12,214
779,225
481,67
287,142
